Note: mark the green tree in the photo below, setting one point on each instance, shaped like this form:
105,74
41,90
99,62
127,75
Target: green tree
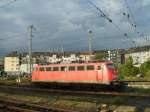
145,68
121,71
127,69
148,75
129,62
100,56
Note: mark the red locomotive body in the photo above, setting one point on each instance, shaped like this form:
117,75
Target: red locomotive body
98,73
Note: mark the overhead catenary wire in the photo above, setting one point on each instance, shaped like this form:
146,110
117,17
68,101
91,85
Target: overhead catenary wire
102,14
8,37
129,9
8,3
5,5
134,24
130,15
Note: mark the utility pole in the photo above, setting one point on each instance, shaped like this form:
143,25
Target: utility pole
30,29
90,41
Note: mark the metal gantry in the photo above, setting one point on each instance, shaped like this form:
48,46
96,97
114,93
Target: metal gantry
30,28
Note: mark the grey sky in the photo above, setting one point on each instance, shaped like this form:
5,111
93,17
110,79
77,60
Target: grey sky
66,22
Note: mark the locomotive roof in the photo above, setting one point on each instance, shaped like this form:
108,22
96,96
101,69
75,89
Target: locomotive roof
67,64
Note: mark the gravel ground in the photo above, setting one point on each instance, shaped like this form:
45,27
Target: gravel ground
81,103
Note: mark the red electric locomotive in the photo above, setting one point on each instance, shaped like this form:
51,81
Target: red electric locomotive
91,72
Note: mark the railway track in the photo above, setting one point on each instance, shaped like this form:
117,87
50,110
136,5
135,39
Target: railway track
65,93
128,83
137,83
68,92
30,87
20,106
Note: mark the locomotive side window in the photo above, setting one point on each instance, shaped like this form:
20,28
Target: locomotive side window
42,69
72,68
90,67
63,68
55,68
99,67
48,69
80,68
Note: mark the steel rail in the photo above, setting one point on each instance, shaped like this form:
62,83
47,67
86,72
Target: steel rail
58,91
14,108
121,81
137,83
21,106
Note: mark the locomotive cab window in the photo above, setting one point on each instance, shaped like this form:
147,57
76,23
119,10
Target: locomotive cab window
80,68
42,69
72,68
111,66
90,67
48,69
55,68
99,67
35,69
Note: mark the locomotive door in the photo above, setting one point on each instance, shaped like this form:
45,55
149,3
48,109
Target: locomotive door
37,74
100,73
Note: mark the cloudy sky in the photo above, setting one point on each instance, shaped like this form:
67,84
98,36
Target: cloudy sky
67,22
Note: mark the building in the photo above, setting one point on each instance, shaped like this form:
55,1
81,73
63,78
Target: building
1,63
86,56
19,62
117,56
139,57
12,63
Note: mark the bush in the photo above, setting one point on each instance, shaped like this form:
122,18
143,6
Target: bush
145,67
127,69
147,75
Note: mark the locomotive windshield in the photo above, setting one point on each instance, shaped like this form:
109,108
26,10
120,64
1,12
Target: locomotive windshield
111,66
